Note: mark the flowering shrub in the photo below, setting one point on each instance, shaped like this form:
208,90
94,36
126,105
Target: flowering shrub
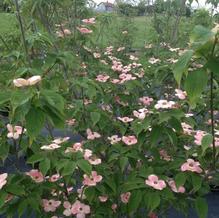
139,150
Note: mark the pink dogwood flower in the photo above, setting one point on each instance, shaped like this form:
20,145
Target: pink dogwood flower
55,178
180,94
3,179
154,182
164,104
125,197
92,135
89,20
14,131
153,60
199,136
102,78
20,82
87,154
124,32
114,139
36,175
93,179
80,210
96,55
120,49
180,189
191,165
50,205
75,148
125,119
129,140
94,160
71,122
146,100
60,140
103,198
141,113
114,207
187,129
164,155
67,205
50,147
84,30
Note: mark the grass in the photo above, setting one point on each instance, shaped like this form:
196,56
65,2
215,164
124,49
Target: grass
109,30
8,24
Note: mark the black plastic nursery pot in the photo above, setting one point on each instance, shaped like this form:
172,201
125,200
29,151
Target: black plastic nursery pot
212,198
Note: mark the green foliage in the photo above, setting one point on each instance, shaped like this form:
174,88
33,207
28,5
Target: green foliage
195,84
134,125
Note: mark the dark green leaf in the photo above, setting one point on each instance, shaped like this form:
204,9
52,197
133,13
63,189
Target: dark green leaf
201,207
68,168
95,117
123,162
3,196
35,120
180,179
15,189
181,66
195,84
5,97
35,158
135,201
196,182
85,166
44,166
206,142
152,200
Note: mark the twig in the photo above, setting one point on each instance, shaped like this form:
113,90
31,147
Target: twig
212,108
22,32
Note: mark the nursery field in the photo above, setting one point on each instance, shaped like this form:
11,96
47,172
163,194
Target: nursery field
109,115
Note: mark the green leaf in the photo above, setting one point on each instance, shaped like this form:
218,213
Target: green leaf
85,166
3,196
135,201
123,162
213,65
196,182
5,97
35,120
68,168
201,207
20,97
152,200
180,179
44,166
15,189
35,158
53,99
195,84
206,142
166,115
4,150
201,35
22,207
95,117
181,66
156,133
139,126
110,181
137,184
90,193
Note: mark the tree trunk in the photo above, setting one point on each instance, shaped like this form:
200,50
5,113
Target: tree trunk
177,21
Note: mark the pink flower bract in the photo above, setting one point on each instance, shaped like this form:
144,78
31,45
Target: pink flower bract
154,182
191,165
